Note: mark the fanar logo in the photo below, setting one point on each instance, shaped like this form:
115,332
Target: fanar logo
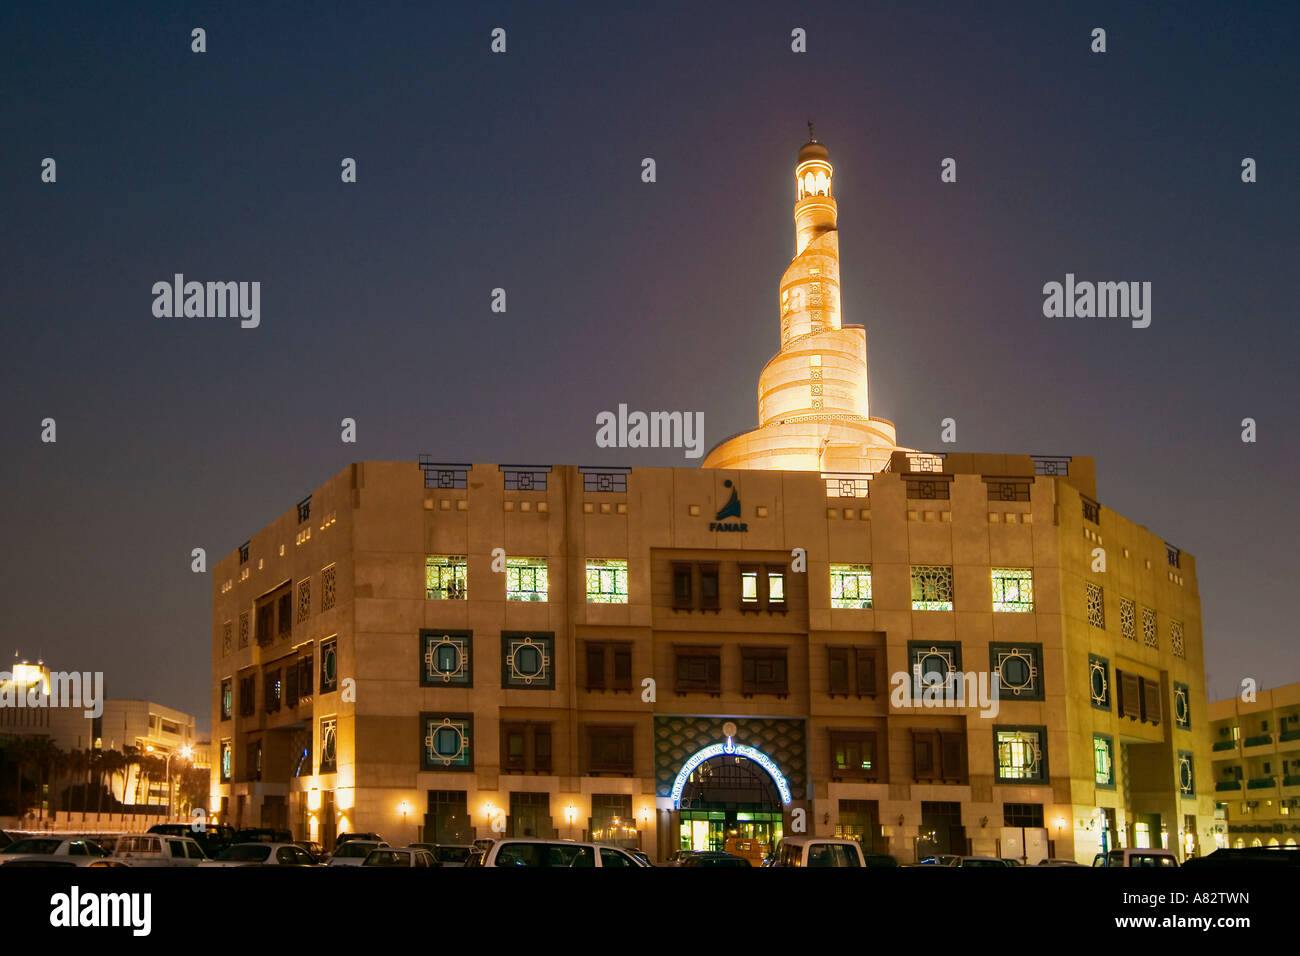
730,510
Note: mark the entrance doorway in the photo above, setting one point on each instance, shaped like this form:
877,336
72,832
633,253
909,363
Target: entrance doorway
730,804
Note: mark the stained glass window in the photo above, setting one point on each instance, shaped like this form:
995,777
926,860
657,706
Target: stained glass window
851,585
1103,760
227,699
1013,589
225,761
329,666
1020,753
525,579
606,582
931,588
446,577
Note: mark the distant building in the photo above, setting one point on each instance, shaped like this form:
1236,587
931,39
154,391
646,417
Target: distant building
1256,757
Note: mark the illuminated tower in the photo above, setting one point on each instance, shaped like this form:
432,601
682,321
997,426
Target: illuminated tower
812,395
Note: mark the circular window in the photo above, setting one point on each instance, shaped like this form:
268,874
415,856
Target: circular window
446,658
1180,707
330,664
1185,775
528,660
446,742
934,668
1016,672
1098,683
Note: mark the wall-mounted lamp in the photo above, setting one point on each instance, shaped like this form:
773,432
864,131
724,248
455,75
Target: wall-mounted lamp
984,821
900,819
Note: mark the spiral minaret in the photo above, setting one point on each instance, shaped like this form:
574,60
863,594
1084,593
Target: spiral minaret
812,396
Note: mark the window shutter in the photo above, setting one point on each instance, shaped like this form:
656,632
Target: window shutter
1130,695
1151,709
866,671
837,669
595,667
923,753
954,756
715,672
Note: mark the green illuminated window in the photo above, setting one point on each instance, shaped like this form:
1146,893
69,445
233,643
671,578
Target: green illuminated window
525,579
1021,753
606,582
851,585
931,588
1013,589
446,577
1103,760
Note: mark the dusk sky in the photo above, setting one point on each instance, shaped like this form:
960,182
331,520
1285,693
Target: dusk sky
522,171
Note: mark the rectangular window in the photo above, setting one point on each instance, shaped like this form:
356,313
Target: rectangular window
1091,510
1149,628
609,750
525,747
609,666
1096,605
709,591
227,694
763,671
329,666
248,695
1127,619
936,665
306,672
928,489
938,756
682,590
775,589
865,658
1013,589
606,581
853,755
327,587
446,577
698,670
225,761
1176,639
1130,694
446,658
265,623
525,579
931,588
284,617
273,689
253,761
1007,489
528,660
850,585
748,587
837,671
1022,815
291,684
1103,761
1021,753
595,666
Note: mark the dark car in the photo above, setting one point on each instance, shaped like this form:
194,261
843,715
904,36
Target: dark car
5,839
879,859
262,835
213,838
345,837
716,859
1268,856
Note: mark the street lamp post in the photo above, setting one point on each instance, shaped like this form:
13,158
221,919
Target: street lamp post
185,753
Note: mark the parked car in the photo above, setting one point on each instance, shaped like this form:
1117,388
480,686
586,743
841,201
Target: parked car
818,851
311,846
678,857
1249,856
262,854
879,859
1058,861
354,852
347,837
642,856
262,835
714,858
213,837
1136,857
406,856
157,849
448,854
535,852
5,839
982,861
53,850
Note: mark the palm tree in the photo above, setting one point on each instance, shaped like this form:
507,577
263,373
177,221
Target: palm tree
44,754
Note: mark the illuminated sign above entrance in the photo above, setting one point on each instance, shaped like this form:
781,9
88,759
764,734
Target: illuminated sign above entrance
729,749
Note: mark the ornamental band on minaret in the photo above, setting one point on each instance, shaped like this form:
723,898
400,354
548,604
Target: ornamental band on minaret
812,395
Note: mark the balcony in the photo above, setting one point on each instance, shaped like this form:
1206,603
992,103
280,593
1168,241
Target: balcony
1225,745
1259,740
1260,783
1291,780
1289,737
1228,785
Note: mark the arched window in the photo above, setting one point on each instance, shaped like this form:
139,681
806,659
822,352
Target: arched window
823,184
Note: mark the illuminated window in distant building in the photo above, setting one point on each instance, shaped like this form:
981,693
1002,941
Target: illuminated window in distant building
446,577
851,585
445,743
775,587
1096,606
1103,761
227,699
1013,589
931,588
606,582
525,579
1021,753
527,660
1127,619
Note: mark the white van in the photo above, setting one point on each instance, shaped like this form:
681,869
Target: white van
818,851
533,852
157,849
1136,857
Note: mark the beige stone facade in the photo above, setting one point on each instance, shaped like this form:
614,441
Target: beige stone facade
1256,753
370,672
